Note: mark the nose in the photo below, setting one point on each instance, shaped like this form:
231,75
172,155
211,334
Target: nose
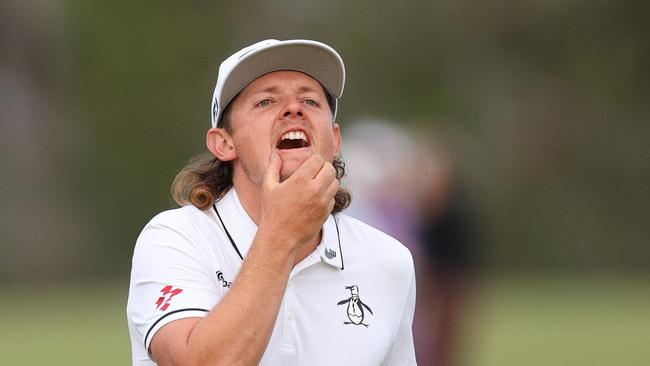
292,108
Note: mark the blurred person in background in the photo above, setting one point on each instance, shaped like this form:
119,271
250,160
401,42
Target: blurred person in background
407,188
447,233
260,266
384,159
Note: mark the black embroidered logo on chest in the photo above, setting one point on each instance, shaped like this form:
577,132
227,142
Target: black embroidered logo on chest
222,280
355,310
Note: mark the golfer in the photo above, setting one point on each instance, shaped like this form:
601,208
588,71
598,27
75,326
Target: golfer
260,265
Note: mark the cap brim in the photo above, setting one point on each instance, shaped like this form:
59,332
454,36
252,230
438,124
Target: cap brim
313,58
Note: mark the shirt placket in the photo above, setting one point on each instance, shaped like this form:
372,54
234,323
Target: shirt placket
288,347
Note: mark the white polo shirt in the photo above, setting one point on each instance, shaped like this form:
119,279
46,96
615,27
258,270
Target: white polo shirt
186,259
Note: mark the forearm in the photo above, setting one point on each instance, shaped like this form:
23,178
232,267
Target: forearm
237,330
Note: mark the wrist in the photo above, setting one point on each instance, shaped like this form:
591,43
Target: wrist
275,242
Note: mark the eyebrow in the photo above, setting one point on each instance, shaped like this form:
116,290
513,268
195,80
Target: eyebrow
274,89
306,89
270,89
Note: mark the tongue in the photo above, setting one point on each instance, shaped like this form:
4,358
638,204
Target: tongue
291,144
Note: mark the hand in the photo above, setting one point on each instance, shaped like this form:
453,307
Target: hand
296,208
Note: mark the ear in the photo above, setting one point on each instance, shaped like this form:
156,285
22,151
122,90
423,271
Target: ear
220,144
337,139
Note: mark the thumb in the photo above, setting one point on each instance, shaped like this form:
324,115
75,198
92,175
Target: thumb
272,176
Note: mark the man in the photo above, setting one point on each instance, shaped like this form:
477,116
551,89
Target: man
260,266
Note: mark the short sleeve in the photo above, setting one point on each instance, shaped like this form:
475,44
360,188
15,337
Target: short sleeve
170,279
402,351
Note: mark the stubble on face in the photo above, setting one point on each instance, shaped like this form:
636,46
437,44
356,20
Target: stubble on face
257,130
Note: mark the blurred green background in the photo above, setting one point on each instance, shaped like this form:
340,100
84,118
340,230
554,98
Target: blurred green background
542,104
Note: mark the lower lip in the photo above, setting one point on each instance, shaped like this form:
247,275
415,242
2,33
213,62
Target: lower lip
301,149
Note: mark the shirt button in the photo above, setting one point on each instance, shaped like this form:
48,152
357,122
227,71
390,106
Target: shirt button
290,316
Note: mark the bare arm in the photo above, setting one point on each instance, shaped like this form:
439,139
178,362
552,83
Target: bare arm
237,330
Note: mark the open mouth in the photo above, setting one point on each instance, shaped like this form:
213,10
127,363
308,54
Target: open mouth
293,140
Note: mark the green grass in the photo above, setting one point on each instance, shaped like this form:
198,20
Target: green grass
64,325
516,320
560,320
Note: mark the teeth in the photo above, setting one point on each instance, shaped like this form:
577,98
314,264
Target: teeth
294,135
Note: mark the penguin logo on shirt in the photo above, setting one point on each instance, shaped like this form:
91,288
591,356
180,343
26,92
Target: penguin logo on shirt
355,307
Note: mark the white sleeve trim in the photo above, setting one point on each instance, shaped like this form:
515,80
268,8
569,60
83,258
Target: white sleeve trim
170,317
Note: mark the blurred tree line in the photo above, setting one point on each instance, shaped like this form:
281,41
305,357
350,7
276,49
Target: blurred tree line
543,104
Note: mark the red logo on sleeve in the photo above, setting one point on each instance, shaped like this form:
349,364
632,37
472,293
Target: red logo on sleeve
167,293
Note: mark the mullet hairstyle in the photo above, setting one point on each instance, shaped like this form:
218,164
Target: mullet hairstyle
206,179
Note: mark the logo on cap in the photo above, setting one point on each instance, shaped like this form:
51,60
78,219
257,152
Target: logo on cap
214,109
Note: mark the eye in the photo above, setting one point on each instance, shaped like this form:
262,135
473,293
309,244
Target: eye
311,102
263,103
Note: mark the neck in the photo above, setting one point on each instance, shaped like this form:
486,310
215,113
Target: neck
250,197
308,248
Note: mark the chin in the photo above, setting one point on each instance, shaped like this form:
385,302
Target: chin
286,173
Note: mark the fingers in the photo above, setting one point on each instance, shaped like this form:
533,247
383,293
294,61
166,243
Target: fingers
330,206
329,177
310,168
317,173
333,188
326,176
272,176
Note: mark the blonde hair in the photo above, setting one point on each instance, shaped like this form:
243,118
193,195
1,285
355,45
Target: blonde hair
206,179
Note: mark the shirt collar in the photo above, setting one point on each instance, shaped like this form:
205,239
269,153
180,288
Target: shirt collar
243,230
330,246
236,221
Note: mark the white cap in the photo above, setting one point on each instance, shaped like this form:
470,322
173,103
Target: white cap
315,59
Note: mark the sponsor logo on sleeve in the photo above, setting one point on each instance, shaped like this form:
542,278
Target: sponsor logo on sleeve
165,299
